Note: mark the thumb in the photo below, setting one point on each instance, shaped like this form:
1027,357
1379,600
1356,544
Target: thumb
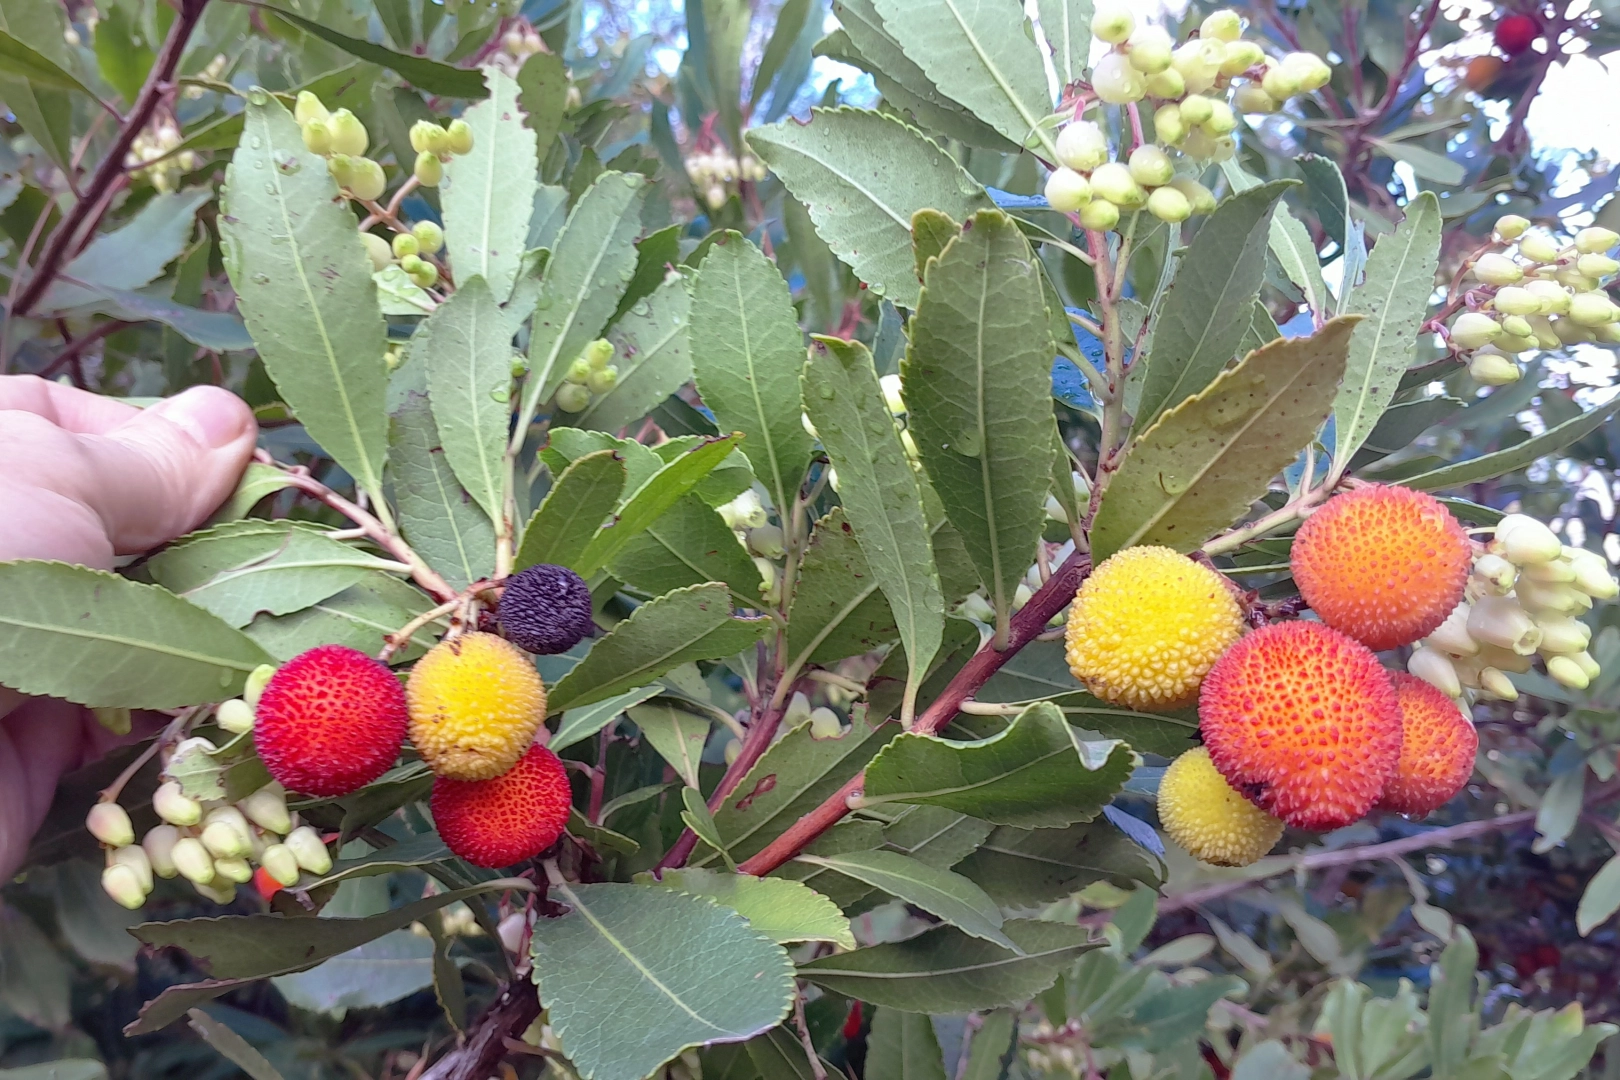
162,472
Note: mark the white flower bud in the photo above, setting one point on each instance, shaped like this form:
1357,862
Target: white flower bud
1307,70
1115,183
1523,540
1149,49
1545,335
1495,574
1168,204
1571,278
280,864
1566,672
1597,266
1500,621
1112,22
1572,333
1452,635
732,751
809,428
1066,190
766,541
1491,368
825,724
892,396
1115,81
174,806
978,609
744,512
1167,124
1150,166
1436,669
306,846
1596,241
267,808
1592,575
1497,684
159,843
1241,56
193,861
1510,227
1557,571
122,884
1561,634
1494,269
109,823
1591,309
1082,146
1278,83
1198,196
237,870
1099,215
1588,665
234,716
135,858
226,833
1250,98
219,890
1553,599
1514,300
767,574
1538,247
1167,85
1222,25
797,712
1200,63
1553,296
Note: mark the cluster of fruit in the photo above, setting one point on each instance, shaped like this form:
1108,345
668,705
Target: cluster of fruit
1525,596
332,720
413,251
1192,83
1545,296
747,518
152,155
716,172
518,43
1300,722
342,139
592,372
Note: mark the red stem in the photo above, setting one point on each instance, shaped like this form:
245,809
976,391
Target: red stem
1026,626
754,745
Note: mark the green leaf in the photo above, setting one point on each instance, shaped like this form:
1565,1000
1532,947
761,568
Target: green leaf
101,640
1067,27
43,998
43,113
945,970
1326,195
934,835
1601,898
131,256
784,911
377,973
543,94
979,53
1207,310
1206,461
39,70
259,481
948,896
696,816
238,570
994,1045
652,354
978,386
879,493
581,723
1291,243
1517,456
440,520
688,544
488,193
303,285
360,617
61,1069
573,511
676,733
792,778
680,971
746,357
121,56
1395,299
647,505
863,175
232,1046
592,262
902,1046
641,463
466,348
687,624
432,76
221,331
1426,163
225,774
838,610
1025,867
409,854
1036,773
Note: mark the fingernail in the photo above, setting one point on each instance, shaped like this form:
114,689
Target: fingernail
212,416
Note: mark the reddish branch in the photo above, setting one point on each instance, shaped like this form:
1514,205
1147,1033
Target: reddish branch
508,1017
85,214
1027,625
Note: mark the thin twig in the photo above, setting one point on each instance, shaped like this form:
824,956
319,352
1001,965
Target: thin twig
76,347
816,1068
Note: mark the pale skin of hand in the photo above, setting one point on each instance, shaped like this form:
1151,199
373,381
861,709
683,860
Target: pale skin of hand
86,479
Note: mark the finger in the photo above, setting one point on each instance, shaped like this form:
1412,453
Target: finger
65,406
165,470
38,743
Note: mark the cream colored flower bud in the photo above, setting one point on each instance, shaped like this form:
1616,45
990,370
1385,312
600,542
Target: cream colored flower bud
1494,269
267,808
260,676
825,724
893,395
1222,25
235,715
219,890
308,107
1573,333
1306,70
1435,668
281,864
1513,300
766,541
1561,634
159,843
1588,665
1222,120
1241,56
1197,110
1495,574
732,751
1517,326
978,609
1082,146
109,823
1112,22
1066,190
1496,683
1592,575
1250,98
1474,329
1553,296
381,256
122,884
1115,183
193,861
1596,240
1538,247
1545,335
237,870
318,137
1554,572
798,711
1566,672
1500,621
1168,204
1554,599
1150,166
1591,309
1510,227
1597,266
306,846
1490,368
1099,215
1523,540
136,859
1198,196
1278,83
348,133
1199,62
1452,635
1571,278
1167,85
1148,49
1115,81
1167,124
226,833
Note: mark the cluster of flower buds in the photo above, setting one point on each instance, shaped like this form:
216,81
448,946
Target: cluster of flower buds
413,251
1198,106
152,155
518,43
435,145
592,372
825,723
1544,295
213,844
1525,597
746,517
716,173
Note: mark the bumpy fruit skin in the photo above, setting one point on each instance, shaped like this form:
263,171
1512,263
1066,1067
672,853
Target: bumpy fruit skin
330,721
1438,745
1516,33
1386,565
1303,722
1200,811
1146,626
475,704
546,609
512,818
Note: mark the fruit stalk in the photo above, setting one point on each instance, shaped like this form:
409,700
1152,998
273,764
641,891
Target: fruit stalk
1025,627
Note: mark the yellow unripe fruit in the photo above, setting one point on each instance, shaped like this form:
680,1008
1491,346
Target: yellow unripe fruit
1147,626
1112,22
1168,204
1066,190
1099,215
1167,124
1200,811
1197,110
475,704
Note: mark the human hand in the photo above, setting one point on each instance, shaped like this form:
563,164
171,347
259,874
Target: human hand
85,479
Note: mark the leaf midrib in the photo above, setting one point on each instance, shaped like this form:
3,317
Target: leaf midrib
1378,339
116,639
1032,125
992,965
626,374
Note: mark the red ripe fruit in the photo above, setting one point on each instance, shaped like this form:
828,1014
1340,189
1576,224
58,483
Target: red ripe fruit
330,721
1438,745
512,818
1303,722
1516,33
1384,564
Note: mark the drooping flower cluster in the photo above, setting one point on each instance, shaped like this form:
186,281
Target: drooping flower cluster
717,172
